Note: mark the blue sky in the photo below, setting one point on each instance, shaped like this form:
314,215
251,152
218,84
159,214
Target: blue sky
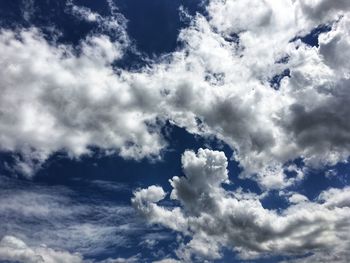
174,131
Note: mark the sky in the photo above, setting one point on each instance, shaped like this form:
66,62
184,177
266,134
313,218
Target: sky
174,131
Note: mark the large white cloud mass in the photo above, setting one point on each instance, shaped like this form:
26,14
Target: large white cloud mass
56,97
53,99
214,218
15,250
221,82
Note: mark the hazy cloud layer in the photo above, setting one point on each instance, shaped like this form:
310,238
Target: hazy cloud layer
41,223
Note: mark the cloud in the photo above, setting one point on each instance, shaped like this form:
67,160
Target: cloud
113,25
47,85
217,84
320,10
56,97
317,119
222,75
27,10
214,218
14,249
66,220
167,260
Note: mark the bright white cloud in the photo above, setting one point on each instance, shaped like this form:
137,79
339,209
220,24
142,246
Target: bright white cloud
226,85
68,99
55,100
58,97
14,249
215,218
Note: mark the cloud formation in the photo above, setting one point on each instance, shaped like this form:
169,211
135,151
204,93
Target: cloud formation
66,220
59,97
218,83
214,218
15,250
56,100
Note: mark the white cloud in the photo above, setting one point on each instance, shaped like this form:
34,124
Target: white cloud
65,220
167,260
113,24
211,79
68,99
55,100
296,198
214,218
321,10
14,249
56,97
226,86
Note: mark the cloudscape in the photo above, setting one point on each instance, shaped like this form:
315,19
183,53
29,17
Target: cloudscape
173,131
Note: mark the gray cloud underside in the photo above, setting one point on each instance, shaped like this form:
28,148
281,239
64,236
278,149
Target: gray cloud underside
214,218
57,97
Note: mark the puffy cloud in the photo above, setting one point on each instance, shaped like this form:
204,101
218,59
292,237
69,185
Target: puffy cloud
55,100
58,97
336,197
296,198
14,249
144,201
317,119
221,78
217,84
320,10
334,47
214,218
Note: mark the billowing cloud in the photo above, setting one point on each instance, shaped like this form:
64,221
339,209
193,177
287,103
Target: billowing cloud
53,99
15,250
222,77
59,97
217,84
214,218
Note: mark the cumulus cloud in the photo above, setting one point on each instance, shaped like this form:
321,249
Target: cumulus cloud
214,218
320,10
58,97
15,250
228,66
218,83
55,100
